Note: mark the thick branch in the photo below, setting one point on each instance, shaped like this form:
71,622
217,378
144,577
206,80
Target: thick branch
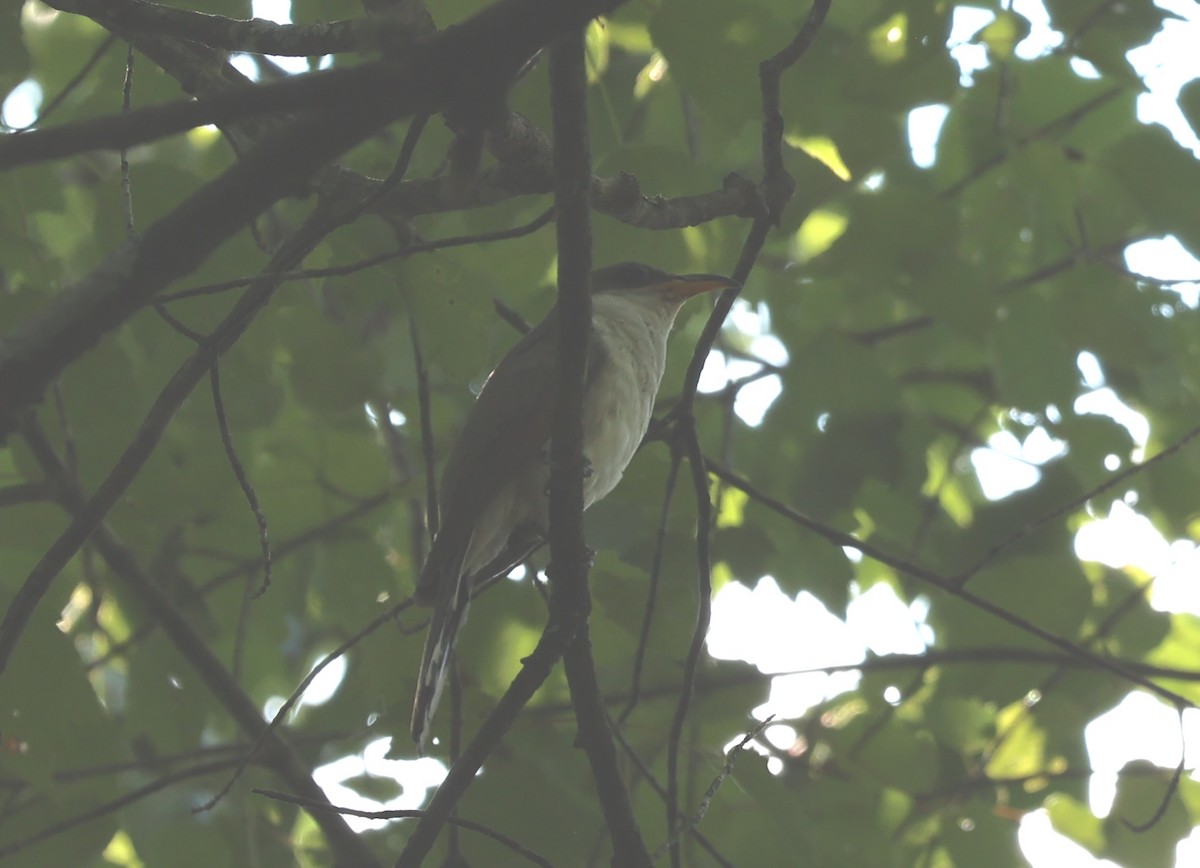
535,669
276,753
255,35
491,46
570,600
525,155
91,514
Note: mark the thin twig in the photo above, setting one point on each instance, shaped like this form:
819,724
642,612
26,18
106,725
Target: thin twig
661,791
1169,793
500,837
113,805
126,181
61,97
243,481
377,622
778,188
730,760
660,539
174,322
1050,128
432,510
370,262
1073,504
950,586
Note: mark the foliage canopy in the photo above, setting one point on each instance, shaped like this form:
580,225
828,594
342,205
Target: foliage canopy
924,311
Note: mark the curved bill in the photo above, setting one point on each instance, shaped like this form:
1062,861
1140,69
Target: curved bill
684,286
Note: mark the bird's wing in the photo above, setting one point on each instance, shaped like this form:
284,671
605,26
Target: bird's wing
509,423
508,427
505,430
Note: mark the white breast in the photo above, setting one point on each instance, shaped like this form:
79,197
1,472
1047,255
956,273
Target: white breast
616,414
621,395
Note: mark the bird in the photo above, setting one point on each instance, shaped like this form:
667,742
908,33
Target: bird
493,492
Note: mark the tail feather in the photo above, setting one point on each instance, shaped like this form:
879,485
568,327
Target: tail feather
443,632
445,583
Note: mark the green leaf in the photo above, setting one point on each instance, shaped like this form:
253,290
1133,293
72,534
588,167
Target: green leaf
14,59
964,724
836,831
1163,178
1032,365
449,305
714,48
311,338
747,549
1022,745
977,835
1074,820
1141,791
1049,592
1189,103
46,704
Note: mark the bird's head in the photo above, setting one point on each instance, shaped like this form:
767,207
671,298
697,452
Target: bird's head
650,283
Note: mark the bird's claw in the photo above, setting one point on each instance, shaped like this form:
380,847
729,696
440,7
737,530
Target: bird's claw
586,468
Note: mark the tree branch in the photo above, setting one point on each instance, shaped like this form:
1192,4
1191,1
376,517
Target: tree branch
517,847
277,754
244,567
113,805
91,514
778,188
492,46
949,585
254,35
570,597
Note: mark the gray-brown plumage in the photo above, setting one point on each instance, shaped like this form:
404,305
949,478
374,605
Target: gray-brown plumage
493,491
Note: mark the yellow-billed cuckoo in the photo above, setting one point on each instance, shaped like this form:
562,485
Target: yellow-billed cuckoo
493,493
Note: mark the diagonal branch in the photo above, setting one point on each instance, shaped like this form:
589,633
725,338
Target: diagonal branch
778,188
255,36
950,585
490,47
111,806
277,754
402,814
92,513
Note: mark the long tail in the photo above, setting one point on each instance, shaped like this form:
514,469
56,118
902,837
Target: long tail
447,620
444,574
443,585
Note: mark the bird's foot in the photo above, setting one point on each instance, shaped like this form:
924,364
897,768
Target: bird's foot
589,557
586,468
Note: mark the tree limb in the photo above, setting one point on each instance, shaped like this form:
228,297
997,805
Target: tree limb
254,35
492,45
276,753
570,597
